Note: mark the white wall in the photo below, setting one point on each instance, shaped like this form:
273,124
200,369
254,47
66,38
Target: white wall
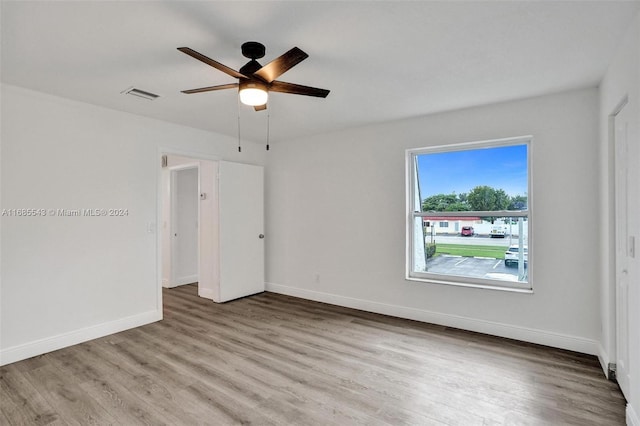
336,221
622,79
70,279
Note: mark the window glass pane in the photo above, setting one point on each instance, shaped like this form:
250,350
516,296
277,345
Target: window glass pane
477,255
482,179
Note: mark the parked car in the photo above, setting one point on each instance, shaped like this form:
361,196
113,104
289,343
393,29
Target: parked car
498,231
512,256
467,231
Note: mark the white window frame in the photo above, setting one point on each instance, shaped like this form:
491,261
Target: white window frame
411,185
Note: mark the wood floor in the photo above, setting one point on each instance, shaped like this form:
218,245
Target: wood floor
273,359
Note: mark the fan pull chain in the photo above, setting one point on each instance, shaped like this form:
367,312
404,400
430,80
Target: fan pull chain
239,147
268,120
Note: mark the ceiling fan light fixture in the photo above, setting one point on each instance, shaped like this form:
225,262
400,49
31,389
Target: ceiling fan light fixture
256,81
253,93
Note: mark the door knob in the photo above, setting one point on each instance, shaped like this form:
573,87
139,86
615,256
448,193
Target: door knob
261,236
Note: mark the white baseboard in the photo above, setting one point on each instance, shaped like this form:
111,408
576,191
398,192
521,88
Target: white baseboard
524,334
49,344
632,416
189,279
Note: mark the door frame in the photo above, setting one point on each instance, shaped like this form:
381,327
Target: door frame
607,350
161,151
610,354
619,267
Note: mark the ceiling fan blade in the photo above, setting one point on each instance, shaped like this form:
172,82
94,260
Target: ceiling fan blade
297,89
211,88
260,107
217,65
281,64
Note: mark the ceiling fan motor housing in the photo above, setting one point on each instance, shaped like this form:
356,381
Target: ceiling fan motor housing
252,50
250,67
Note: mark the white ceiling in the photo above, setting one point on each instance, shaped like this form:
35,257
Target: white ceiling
381,60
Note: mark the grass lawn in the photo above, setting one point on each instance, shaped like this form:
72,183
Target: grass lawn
496,252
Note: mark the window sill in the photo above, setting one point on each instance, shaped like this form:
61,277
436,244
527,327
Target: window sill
524,290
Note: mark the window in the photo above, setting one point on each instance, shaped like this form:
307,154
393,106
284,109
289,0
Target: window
483,189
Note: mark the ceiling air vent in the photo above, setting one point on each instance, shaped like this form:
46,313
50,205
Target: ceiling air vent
140,93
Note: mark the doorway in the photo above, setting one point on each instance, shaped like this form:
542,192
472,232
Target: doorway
229,202
179,221
184,220
188,244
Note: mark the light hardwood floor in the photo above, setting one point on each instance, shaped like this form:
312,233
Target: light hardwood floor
273,359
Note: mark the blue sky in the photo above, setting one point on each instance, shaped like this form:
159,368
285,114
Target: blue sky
460,171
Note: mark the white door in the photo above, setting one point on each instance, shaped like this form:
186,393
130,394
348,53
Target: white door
624,247
184,227
241,206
